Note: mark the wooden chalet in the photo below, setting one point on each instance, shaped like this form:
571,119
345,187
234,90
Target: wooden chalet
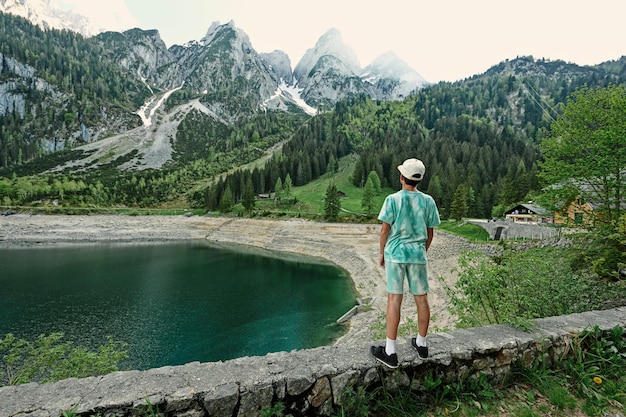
529,213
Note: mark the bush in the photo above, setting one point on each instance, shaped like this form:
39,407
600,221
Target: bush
524,285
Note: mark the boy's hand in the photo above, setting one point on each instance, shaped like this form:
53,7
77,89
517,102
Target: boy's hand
381,260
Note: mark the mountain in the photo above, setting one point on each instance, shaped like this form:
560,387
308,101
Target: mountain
221,75
332,80
150,126
331,71
140,53
392,78
329,44
45,15
558,70
58,90
279,63
222,69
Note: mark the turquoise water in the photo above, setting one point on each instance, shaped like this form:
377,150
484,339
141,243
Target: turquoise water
173,303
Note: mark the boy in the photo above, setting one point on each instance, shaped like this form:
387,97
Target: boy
408,217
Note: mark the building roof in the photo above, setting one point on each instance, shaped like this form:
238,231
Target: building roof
532,208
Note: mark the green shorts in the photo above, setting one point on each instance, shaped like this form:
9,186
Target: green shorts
415,274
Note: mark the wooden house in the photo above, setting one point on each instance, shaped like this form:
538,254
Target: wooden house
529,213
578,212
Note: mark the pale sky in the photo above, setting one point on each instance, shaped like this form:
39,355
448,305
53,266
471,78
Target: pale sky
443,40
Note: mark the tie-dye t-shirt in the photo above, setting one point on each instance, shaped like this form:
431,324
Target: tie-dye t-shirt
410,214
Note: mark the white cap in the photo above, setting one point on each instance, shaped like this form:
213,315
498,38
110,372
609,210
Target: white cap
412,169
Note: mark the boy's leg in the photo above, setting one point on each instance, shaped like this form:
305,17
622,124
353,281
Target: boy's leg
387,354
423,320
394,303
395,279
419,287
423,313
396,275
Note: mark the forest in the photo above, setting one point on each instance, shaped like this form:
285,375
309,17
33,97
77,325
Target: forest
470,137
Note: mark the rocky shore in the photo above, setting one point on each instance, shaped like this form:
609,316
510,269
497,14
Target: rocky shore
353,247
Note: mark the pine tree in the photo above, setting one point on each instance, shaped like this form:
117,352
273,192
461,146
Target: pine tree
287,186
375,179
278,189
226,202
459,207
248,196
332,205
333,165
367,203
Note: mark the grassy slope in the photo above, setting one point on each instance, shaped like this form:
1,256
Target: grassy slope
310,197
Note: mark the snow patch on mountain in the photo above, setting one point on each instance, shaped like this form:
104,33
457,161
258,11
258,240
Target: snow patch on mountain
146,112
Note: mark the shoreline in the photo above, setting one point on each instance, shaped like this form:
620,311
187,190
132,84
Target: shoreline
353,247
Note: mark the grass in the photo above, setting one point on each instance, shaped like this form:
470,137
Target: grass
309,198
466,230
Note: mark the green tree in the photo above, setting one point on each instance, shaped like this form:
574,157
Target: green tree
435,190
248,195
367,203
459,206
375,179
227,200
287,187
332,205
333,165
210,198
585,151
278,188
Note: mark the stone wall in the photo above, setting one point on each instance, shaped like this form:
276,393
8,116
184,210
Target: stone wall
502,230
308,382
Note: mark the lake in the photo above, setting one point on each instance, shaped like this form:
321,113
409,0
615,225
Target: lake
174,303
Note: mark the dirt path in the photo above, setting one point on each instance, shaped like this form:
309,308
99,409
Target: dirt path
353,247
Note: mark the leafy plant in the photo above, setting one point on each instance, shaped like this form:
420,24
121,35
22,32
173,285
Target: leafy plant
49,359
276,410
589,376
152,410
504,289
355,403
69,413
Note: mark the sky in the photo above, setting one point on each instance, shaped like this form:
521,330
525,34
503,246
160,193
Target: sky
443,40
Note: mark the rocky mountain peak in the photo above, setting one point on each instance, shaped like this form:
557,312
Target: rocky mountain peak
141,52
331,43
280,64
393,77
215,29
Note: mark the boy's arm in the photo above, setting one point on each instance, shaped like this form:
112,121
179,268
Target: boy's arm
430,232
384,235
